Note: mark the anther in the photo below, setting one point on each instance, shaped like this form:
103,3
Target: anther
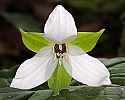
59,49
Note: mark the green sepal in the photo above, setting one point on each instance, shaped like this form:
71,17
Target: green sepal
59,80
87,40
34,41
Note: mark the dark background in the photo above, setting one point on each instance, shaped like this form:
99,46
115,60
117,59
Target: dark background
90,15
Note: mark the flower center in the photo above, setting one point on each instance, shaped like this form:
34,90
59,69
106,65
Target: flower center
60,49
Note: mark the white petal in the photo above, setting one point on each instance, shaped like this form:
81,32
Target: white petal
86,69
35,71
60,25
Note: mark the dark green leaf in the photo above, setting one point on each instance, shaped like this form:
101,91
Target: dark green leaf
83,93
8,93
92,93
116,67
112,61
15,95
41,95
118,73
4,82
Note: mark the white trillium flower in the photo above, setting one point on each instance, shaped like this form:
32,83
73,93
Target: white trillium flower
60,28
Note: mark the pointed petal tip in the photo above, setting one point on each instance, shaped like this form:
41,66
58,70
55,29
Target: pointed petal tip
19,85
11,85
59,6
107,81
104,83
102,30
35,71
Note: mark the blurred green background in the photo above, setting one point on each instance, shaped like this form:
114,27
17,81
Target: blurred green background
90,15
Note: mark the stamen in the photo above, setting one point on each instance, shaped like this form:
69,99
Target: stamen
64,48
60,49
56,48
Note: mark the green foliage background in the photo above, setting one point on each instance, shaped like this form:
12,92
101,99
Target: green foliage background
80,92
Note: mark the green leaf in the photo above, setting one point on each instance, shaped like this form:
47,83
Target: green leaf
9,90
33,41
116,66
8,73
41,95
82,93
22,20
118,73
24,95
113,61
4,83
60,79
87,40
